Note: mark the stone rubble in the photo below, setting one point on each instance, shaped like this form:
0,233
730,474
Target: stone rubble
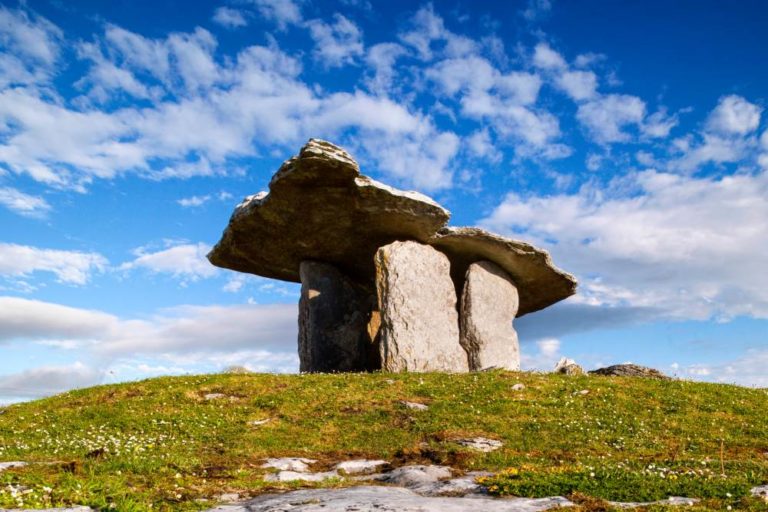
568,366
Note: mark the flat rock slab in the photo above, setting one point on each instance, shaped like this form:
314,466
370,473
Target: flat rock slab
299,464
489,304
360,466
386,499
319,207
417,301
539,282
12,464
414,476
480,444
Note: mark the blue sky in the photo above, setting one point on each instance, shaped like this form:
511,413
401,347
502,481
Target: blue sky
628,139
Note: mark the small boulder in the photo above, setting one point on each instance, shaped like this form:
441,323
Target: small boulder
630,370
359,467
568,367
414,405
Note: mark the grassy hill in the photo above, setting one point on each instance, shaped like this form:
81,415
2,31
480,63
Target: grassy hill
161,444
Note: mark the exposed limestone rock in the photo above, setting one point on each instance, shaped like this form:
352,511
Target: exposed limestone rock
419,323
296,476
320,208
415,405
630,370
333,322
298,464
360,466
539,283
568,367
489,304
413,476
11,465
386,499
481,444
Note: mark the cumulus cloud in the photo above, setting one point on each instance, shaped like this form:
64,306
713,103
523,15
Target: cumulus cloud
734,115
23,204
545,57
282,12
337,43
29,47
606,117
185,261
691,247
47,380
229,18
71,267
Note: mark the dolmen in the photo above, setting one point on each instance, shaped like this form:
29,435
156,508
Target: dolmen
385,283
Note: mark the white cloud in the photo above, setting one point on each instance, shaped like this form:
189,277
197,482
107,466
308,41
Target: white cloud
36,320
747,370
607,116
545,57
481,145
193,201
23,204
282,12
734,115
690,248
187,261
47,380
29,47
579,85
537,9
337,43
381,60
229,18
549,346
425,27
71,267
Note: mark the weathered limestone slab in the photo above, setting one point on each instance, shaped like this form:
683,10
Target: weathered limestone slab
319,207
417,301
489,304
539,282
333,322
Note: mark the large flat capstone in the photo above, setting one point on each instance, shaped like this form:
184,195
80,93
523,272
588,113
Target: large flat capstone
417,302
320,208
334,313
539,282
489,304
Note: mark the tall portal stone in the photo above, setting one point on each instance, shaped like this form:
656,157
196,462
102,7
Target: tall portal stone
334,314
489,304
417,302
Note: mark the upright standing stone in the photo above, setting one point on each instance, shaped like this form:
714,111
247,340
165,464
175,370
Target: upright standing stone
417,302
333,322
488,306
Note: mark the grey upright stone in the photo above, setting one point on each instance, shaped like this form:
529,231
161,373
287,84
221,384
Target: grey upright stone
489,304
417,301
333,322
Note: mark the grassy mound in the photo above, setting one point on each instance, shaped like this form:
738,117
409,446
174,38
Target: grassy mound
168,443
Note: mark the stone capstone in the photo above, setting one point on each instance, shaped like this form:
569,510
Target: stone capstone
417,301
489,304
539,282
320,208
334,313
630,370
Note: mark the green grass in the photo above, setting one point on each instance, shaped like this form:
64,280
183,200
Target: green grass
159,445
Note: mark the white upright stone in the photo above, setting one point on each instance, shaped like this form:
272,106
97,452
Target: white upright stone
417,301
489,304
